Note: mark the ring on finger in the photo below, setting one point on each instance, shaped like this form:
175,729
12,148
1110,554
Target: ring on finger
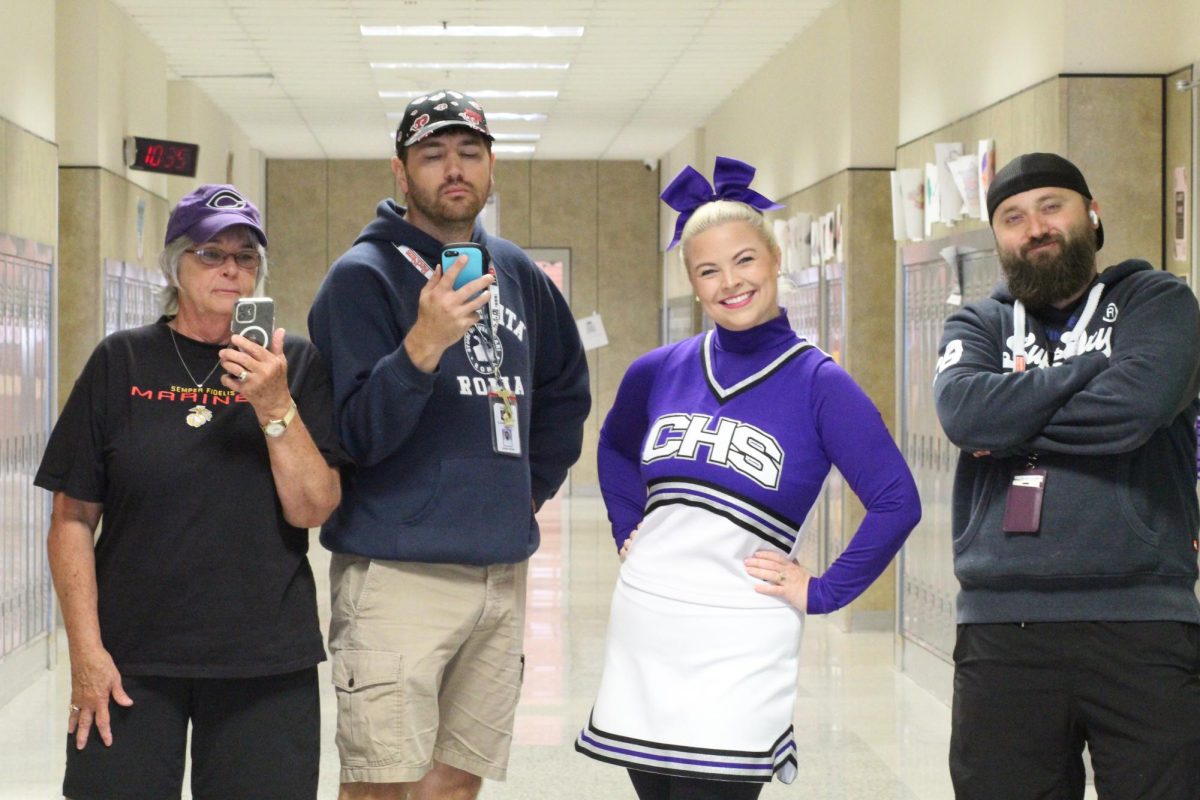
780,578
74,708
242,377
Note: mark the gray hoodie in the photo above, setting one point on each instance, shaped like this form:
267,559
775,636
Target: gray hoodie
1111,416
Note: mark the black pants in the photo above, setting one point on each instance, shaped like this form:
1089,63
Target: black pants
1027,698
251,738
650,786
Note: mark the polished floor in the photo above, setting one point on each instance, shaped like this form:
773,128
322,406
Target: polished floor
863,729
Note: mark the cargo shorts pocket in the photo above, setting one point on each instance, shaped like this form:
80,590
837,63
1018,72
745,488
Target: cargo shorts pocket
369,685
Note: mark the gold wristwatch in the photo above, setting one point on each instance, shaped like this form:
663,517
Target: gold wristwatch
276,427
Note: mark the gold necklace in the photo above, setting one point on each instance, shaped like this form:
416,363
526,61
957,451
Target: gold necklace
197,415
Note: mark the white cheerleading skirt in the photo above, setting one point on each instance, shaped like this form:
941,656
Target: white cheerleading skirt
697,690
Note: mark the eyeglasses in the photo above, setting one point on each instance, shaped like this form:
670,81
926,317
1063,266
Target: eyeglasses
248,260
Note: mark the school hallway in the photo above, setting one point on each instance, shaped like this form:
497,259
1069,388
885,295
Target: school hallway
864,730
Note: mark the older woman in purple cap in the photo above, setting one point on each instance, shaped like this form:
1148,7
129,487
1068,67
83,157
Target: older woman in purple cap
207,457
713,453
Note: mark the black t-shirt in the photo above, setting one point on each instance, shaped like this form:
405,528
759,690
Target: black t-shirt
199,574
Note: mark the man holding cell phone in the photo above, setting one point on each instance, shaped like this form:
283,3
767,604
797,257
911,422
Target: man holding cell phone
460,390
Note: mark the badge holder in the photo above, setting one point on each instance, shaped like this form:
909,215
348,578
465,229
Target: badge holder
506,432
502,403
1023,506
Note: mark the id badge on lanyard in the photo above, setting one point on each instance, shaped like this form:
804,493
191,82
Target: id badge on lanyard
505,425
504,421
1023,506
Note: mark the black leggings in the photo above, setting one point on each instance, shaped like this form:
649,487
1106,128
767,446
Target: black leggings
650,786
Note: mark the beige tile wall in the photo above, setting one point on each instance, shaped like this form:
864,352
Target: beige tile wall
29,197
865,197
80,273
1178,149
1114,134
97,216
605,212
298,233
628,288
28,193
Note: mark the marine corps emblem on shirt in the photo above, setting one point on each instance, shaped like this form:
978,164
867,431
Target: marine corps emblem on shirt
198,415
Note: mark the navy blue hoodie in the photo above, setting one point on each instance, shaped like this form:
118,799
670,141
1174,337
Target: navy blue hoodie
1112,420
427,485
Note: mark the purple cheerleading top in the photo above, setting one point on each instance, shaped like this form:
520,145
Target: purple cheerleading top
719,445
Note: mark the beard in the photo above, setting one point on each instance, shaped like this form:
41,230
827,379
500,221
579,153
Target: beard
1048,278
433,206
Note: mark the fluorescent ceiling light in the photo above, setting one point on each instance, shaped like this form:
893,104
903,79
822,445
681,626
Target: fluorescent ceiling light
492,116
508,116
505,31
516,137
497,148
486,94
437,65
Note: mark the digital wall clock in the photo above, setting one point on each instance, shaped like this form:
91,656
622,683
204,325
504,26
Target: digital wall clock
160,155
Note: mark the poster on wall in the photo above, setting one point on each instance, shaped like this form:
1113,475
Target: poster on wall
949,200
899,233
912,200
987,171
828,243
591,332
933,198
780,228
965,171
556,263
814,238
800,241
837,234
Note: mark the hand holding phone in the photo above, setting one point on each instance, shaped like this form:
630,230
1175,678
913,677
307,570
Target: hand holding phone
444,316
254,318
476,266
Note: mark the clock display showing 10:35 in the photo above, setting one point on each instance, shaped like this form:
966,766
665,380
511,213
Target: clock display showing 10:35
161,155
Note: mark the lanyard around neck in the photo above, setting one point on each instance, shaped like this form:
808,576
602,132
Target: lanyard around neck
1072,340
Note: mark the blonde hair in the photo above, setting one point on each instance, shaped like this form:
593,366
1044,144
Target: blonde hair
719,212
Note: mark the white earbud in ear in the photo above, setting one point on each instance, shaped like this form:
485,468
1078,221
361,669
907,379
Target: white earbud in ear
1095,218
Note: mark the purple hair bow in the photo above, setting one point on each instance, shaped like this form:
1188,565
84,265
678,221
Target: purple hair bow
689,190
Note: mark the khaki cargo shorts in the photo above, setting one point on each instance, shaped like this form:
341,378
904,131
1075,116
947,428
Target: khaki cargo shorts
427,666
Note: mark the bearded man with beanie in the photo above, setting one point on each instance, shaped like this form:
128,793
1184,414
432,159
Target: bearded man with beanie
462,409
1072,395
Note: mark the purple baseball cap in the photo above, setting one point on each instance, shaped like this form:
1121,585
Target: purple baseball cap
211,209
437,110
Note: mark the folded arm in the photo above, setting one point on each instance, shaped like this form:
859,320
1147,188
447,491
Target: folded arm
982,407
1152,375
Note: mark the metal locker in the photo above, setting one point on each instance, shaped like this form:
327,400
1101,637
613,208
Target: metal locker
927,287
833,342
130,295
26,382
803,305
